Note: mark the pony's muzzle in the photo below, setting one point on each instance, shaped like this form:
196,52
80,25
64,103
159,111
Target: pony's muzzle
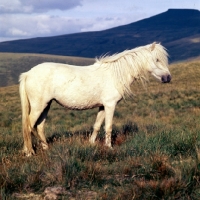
166,78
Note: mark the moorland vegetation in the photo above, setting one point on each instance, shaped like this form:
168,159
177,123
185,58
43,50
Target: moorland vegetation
156,141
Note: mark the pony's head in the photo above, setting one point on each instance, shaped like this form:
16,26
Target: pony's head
158,63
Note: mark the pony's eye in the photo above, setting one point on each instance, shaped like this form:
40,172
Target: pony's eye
157,60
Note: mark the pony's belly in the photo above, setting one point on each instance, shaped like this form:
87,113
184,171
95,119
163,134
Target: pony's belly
78,105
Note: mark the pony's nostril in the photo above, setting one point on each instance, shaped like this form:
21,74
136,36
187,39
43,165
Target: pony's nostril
166,79
169,78
163,79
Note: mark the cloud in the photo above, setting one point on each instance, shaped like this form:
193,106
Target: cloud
36,6
32,18
21,19
17,32
42,25
37,25
102,23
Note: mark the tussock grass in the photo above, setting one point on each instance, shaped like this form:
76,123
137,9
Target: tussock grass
156,141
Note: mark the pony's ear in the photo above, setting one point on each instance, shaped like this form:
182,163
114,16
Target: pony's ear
152,47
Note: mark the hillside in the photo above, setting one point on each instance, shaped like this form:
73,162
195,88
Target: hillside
155,155
177,29
13,64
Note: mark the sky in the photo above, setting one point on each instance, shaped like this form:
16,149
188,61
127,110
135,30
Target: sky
21,19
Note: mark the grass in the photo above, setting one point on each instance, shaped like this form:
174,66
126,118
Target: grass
156,141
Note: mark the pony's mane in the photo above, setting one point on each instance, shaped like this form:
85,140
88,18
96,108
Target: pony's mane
133,62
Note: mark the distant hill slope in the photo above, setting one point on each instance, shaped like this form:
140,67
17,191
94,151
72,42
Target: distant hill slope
177,29
13,64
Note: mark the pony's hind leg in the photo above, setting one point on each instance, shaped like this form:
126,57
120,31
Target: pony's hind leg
28,147
34,117
40,126
97,124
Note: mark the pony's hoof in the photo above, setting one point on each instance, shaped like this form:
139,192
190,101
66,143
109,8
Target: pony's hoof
28,153
109,146
92,142
44,146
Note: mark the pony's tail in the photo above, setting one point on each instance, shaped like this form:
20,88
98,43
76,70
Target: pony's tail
25,105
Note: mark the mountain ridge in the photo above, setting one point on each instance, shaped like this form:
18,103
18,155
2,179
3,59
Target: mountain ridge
177,29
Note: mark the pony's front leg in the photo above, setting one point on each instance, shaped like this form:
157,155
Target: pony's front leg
109,112
97,124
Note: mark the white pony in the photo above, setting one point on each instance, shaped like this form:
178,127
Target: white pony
102,85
